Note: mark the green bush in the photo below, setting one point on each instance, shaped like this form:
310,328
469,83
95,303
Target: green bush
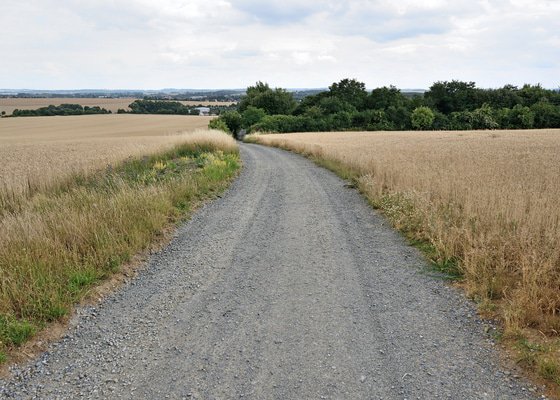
422,118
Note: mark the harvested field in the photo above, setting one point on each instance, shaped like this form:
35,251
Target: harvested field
10,104
38,151
486,203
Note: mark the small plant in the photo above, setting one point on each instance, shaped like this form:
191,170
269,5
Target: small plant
80,280
13,332
549,370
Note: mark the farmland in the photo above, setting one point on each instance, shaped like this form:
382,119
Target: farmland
80,196
10,104
35,151
483,205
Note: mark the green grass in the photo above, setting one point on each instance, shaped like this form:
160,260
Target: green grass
14,332
64,240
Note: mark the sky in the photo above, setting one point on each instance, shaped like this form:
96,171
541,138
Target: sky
210,44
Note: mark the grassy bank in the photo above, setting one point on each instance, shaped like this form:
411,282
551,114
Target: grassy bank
58,242
482,206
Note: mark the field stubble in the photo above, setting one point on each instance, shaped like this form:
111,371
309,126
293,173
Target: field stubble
484,204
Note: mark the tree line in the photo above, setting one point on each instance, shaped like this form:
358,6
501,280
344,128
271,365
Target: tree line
347,105
168,107
63,109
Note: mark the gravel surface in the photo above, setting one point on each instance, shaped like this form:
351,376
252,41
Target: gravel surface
288,287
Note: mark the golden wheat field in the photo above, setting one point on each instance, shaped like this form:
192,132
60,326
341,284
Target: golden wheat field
39,150
488,201
86,228
10,104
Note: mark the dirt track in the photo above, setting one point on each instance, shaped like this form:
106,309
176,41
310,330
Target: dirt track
289,287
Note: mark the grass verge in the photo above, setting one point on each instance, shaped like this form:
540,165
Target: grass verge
60,242
536,352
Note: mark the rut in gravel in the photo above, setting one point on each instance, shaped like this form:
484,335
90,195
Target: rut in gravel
288,287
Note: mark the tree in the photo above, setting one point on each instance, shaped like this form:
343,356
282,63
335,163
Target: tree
506,97
251,116
521,117
448,97
218,124
546,115
332,105
460,120
272,101
350,91
385,97
309,102
533,94
233,121
422,118
483,118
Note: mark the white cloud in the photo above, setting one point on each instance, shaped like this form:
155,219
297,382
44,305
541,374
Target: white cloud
221,43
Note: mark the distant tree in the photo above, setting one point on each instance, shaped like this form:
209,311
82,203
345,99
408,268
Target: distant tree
546,115
385,97
441,122
460,120
3,113
309,102
63,109
531,94
218,124
422,118
272,101
159,107
333,104
372,120
233,121
453,105
521,117
506,97
280,123
251,116
448,97
483,118
350,91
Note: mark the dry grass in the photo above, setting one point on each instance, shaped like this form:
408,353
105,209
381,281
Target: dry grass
10,104
484,203
61,238
37,151
489,199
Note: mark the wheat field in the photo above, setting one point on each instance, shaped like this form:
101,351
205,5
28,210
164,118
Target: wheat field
10,104
60,239
488,201
37,151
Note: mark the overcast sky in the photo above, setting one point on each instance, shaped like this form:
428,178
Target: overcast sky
149,44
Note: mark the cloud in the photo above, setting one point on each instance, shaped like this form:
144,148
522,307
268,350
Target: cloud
278,13
233,43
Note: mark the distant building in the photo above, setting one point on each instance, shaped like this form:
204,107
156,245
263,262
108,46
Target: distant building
203,110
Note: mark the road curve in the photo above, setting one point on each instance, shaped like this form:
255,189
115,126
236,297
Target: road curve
288,287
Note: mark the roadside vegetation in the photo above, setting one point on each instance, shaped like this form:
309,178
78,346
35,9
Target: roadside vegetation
482,206
347,105
58,241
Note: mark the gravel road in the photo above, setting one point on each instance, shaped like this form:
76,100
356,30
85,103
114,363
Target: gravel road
288,287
